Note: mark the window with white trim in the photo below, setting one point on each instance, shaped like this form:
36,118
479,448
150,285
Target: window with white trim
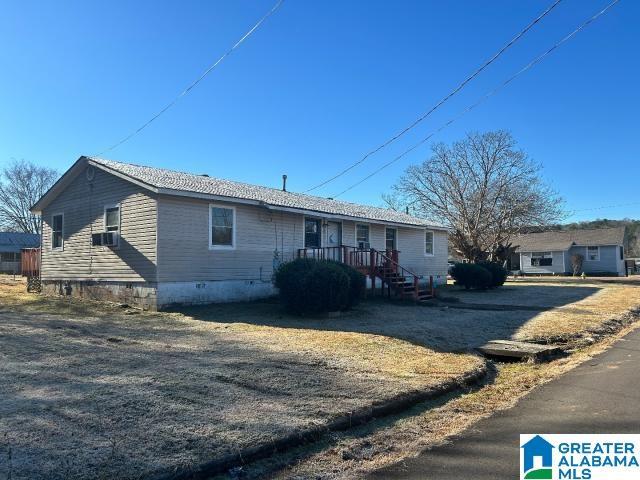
312,232
541,259
112,221
57,229
362,236
428,242
593,254
391,237
222,221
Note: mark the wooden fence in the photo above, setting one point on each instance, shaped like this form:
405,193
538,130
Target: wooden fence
30,262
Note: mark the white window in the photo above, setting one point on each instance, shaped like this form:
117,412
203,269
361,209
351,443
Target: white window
541,259
312,232
112,221
593,254
428,243
57,231
391,236
222,231
362,236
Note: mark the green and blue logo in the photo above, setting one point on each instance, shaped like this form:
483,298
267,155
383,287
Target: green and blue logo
537,459
580,456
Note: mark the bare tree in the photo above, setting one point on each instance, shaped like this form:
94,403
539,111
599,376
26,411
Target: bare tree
484,188
21,185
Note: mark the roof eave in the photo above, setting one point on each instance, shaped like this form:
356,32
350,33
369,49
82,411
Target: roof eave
270,206
71,174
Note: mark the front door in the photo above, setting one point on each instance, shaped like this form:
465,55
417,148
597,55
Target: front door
334,234
334,239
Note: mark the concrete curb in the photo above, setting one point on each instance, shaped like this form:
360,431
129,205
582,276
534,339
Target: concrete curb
259,452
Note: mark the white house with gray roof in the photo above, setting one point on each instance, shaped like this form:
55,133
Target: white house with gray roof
156,237
549,253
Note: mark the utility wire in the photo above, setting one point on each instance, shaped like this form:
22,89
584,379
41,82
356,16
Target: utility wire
573,212
443,100
198,80
481,100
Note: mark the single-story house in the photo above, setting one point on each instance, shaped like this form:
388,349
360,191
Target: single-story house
11,245
156,237
550,252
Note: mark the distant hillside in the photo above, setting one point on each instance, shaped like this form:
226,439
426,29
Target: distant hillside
632,233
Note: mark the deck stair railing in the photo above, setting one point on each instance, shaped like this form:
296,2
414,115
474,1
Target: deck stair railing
378,265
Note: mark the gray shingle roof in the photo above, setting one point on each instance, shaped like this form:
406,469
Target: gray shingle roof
564,239
14,241
198,184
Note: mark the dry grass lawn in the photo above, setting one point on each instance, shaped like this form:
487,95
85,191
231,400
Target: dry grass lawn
569,314
89,391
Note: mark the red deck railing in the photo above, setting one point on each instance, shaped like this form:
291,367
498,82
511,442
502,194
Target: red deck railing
376,264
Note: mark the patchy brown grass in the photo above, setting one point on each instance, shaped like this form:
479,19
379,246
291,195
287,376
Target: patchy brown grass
353,454
582,317
86,388
87,391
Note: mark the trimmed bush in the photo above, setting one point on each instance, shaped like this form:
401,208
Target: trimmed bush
471,275
498,273
357,283
316,286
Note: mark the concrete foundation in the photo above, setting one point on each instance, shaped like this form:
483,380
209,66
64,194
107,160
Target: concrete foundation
224,291
438,280
153,297
158,296
138,294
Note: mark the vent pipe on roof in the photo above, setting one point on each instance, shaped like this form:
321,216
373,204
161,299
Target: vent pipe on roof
407,209
284,183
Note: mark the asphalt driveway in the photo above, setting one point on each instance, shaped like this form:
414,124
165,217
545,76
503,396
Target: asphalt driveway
600,396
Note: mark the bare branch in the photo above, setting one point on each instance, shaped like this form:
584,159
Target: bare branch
21,185
484,188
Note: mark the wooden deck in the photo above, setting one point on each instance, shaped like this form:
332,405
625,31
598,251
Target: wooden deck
382,268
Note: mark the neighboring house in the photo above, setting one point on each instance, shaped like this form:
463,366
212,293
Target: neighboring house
155,237
551,252
11,245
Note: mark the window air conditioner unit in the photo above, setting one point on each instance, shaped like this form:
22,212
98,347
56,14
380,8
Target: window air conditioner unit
105,239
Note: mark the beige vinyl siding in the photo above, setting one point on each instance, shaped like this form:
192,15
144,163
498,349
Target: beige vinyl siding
83,208
411,244
183,241
184,253
349,233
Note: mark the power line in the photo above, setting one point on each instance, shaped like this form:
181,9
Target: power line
198,80
443,100
573,212
481,100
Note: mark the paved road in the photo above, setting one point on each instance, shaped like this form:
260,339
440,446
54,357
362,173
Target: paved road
600,396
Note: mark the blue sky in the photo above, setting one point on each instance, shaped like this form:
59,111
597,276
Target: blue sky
319,85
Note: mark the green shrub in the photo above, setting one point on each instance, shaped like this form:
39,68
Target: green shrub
357,283
314,286
471,275
498,273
